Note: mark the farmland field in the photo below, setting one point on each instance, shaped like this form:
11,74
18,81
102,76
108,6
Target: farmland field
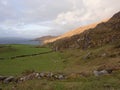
43,62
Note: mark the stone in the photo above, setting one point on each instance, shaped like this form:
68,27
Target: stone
2,78
22,79
42,74
37,75
50,75
8,79
99,73
55,76
60,77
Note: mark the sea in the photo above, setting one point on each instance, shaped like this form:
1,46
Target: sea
19,41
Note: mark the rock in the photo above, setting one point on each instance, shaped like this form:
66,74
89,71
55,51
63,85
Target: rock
87,56
99,73
49,75
2,78
42,74
55,76
37,75
30,76
61,77
9,79
22,79
16,80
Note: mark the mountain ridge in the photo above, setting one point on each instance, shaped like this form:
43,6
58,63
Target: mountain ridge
103,33
75,31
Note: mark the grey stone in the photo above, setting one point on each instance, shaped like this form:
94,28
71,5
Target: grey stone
37,75
99,73
42,74
2,78
8,79
50,75
60,77
22,78
55,76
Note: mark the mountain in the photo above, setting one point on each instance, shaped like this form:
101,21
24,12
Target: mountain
102,33
74,32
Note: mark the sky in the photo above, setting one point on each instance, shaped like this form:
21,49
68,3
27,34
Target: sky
36,18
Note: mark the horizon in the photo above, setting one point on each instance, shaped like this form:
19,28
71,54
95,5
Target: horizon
33,19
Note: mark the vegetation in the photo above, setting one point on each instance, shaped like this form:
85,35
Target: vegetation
43,62
68,61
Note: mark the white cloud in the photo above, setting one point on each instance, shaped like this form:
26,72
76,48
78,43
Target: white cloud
90,12
5,3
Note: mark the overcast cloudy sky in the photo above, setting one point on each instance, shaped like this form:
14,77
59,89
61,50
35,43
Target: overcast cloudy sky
35,18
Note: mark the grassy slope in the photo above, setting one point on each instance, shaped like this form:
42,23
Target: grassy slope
67,61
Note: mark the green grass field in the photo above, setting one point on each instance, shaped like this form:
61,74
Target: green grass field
44,62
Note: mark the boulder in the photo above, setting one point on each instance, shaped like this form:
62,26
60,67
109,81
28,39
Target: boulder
42,74
49,75
30,76
2,78
37,75
99,73
22,79
55,76
61,77
9,79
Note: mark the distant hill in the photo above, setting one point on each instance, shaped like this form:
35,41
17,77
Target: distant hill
15,40
44,38
94,36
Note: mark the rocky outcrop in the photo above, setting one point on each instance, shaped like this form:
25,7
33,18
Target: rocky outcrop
104,33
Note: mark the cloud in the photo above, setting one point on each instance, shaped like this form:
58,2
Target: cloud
90,12
34,18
